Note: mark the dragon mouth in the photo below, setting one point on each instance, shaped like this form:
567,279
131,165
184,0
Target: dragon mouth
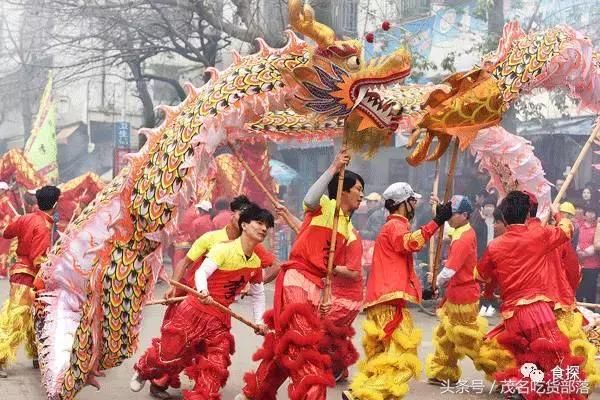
367,97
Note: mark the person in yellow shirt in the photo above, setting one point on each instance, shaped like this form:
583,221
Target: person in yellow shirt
198,332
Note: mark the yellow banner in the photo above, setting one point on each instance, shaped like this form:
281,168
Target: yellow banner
41,148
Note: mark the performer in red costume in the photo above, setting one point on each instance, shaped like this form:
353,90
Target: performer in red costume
562,283
518,261
390,338
34,233
294,348
198,331
185,270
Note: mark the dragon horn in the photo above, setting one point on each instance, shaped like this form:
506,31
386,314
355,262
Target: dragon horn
303,21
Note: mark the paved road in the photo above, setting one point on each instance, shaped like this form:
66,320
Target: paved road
23,382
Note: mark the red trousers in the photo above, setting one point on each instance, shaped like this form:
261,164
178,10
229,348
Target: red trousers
188,336
339,332
294,349
532,336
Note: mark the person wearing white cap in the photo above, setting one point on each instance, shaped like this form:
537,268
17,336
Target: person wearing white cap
461,329
390,337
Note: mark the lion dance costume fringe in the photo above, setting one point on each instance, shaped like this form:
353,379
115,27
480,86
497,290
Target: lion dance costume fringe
16,324
460,333
391,359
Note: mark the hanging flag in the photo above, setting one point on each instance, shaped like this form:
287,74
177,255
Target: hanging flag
41,147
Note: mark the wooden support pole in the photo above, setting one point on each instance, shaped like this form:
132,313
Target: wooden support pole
447,195
215,304
262,187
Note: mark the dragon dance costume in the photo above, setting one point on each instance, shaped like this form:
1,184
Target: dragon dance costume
33,232
518,262
294,348
390,338
461,330
196,254
200,334
193,226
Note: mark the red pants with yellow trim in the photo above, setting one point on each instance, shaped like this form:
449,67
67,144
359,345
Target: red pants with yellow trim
533,336
190,335
293,349
16,319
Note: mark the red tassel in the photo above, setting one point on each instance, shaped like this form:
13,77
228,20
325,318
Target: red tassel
386,25
370,37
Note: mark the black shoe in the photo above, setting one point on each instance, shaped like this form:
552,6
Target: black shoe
35,363
158,392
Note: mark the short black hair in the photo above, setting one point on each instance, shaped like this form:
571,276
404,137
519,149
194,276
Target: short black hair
391,205
221,204
515,207
47,197
498,217
589,207
238,203
533,209
350,179
252,212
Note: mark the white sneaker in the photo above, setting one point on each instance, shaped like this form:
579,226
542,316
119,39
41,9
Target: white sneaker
482,311
241,396
136,383
491,311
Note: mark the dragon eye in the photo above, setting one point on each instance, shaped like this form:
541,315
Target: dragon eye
353,62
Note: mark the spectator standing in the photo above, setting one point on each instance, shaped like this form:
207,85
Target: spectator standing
375,216
588,256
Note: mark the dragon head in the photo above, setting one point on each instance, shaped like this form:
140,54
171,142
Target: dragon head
336,82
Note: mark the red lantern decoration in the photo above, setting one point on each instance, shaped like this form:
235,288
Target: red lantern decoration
369,37
386,25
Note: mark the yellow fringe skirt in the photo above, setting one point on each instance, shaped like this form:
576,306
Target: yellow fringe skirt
460,333
570,324
16,324
390,362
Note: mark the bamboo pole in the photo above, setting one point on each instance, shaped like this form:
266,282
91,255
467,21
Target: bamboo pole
447,194
242,182
336,219
588,305
164,301
434,191
215,304
262,187
584,150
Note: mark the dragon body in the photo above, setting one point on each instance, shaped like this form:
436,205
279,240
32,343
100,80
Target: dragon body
101,271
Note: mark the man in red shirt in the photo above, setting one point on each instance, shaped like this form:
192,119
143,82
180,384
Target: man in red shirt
588,256
390,339
200,332
294,348
562,283
518,262
34,234
461,329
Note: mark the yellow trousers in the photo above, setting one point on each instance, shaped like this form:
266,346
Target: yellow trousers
390,362
16,324
460,333
570,324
